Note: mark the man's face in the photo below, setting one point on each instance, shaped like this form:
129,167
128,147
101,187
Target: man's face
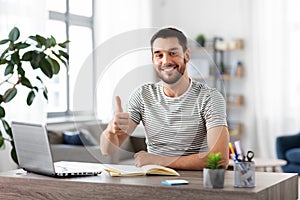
169,59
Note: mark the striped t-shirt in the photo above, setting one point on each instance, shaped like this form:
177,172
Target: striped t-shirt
177,126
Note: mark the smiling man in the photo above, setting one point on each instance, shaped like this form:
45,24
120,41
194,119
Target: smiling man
185,120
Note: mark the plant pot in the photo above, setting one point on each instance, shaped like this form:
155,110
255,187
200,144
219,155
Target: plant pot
213,178
201,42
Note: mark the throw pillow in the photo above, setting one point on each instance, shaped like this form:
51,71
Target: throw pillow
72,138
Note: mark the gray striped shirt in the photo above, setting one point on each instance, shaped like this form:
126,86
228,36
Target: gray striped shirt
177,126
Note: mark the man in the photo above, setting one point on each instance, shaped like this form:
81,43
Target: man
184,120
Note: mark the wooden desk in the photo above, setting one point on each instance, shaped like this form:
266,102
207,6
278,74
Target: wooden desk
18,184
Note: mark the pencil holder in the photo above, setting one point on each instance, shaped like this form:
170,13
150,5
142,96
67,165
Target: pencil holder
244,174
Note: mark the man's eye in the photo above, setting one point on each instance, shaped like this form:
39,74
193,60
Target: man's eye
173,53
158,55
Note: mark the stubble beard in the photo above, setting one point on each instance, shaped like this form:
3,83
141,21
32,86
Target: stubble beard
172,78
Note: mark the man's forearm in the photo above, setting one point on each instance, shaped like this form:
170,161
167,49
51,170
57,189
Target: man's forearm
109,143
190,162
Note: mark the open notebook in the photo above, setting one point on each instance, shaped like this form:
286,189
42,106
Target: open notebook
34,153
131,170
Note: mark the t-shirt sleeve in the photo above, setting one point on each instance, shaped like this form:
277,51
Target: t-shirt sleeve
215,110
135,105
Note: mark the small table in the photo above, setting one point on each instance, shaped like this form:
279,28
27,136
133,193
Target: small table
265,163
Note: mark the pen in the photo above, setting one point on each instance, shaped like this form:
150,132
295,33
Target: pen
239,149
231,149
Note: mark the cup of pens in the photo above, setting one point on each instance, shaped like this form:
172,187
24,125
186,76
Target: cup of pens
244,167
244,174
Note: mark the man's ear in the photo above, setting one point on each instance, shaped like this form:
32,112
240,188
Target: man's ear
187,55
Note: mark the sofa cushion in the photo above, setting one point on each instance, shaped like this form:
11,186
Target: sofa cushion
293,155
55,137
87,138
72,138
81,137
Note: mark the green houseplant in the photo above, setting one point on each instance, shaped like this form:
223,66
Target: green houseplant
213,173
201,40
36,52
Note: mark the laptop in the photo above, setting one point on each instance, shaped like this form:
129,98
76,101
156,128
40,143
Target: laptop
34,153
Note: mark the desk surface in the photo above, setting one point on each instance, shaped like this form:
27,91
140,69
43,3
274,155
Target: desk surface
18,184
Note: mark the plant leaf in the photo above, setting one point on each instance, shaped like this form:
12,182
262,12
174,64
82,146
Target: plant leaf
9,69
22,45
13,154
53,41
36,59
64,44
26,82
38,78
59,57
4,53
46,68
33,38
4,41
2,112
41,40
15,58
6,127
21,71
11,95
64,54
30,97
14,34
27,56
1,142
54,64
3,61
45,93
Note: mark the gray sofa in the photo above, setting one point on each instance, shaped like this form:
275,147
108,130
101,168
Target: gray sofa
90,151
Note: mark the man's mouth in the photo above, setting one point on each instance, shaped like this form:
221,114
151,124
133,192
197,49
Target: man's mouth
169,68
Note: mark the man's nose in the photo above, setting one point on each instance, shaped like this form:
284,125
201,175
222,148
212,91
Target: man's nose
166,59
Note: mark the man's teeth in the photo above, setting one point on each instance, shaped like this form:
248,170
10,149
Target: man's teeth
169,69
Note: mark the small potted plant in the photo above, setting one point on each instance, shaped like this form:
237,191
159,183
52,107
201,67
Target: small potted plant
213,173
201,40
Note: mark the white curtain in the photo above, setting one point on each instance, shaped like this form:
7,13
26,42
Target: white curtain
30,17
275,71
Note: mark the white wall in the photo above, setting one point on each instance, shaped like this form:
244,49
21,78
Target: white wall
122,34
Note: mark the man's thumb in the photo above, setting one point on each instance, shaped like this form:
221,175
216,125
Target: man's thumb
119,105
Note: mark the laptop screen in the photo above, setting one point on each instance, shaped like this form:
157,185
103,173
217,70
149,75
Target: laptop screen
32,147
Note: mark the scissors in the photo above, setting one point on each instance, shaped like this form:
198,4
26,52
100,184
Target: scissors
250,155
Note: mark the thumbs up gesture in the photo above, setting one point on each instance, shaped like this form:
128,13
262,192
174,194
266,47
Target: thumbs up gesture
120,123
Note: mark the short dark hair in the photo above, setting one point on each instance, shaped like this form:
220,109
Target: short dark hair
170,32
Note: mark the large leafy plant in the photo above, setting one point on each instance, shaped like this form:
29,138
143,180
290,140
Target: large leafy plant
36,51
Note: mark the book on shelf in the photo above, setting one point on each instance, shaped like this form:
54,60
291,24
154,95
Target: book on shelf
131,170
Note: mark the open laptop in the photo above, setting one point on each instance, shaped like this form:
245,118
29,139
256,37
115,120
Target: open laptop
34,153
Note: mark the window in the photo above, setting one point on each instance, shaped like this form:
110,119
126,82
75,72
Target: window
72,20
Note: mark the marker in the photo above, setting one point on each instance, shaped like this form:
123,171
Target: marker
231,149
238,148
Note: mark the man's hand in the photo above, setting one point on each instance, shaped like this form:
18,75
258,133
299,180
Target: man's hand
120,123
117,131
144,158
